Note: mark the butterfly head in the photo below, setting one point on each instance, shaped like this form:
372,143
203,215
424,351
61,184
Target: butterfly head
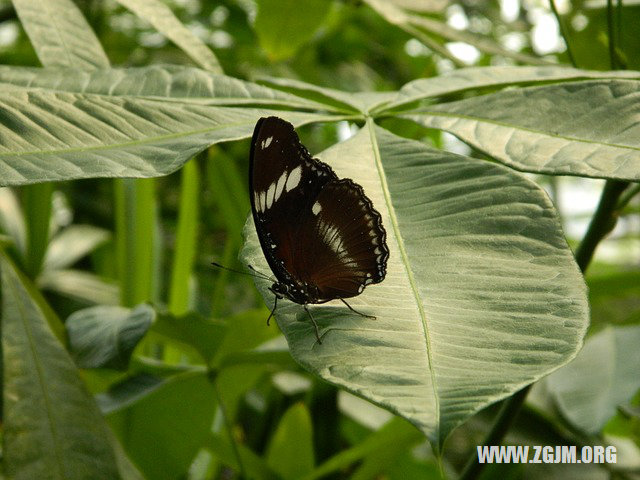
300,293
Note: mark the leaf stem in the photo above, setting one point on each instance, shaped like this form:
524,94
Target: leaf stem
563,32
602,223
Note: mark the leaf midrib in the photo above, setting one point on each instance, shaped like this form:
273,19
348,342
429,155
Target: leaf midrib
40,373
406,263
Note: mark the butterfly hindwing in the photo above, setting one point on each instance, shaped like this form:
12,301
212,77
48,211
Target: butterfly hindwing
342,242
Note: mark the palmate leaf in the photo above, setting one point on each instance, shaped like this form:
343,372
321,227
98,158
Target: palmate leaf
587,128
481,298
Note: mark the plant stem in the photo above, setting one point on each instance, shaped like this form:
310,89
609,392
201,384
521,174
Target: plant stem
602,222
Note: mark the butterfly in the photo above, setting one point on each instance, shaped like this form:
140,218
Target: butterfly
320,234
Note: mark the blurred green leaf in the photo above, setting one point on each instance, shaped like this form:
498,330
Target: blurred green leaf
12,220
253,465
52,428
162,18
482,294
71,244
81,285
105,336
290,451
204,335
603,376
162,423
282,33
60,34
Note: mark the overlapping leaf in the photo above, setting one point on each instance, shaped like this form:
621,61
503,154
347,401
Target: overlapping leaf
588,128
482,295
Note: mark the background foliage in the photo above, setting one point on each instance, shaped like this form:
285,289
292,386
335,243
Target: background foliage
111,310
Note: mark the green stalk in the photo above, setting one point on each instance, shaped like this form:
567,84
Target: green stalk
186,239
136,232
36,200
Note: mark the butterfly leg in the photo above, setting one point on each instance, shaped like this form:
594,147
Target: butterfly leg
315,325
372,317
275,304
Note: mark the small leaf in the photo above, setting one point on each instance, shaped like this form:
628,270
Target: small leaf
105,336
52,427
603,376
71,244
280,33
290,452
162,423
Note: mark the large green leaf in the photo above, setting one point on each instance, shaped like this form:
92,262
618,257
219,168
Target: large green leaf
164,82
603,376
51,134
585,128
457,81
51,426
60,34
162,18
482,295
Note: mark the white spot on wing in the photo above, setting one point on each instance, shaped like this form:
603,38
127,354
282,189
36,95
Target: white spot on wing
294,178
266,143
316,208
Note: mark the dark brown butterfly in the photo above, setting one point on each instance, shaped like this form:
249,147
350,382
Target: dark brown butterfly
319,233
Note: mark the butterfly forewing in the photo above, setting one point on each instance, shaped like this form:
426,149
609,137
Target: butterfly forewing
284,181
320,235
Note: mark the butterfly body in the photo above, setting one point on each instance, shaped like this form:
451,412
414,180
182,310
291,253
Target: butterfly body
320,234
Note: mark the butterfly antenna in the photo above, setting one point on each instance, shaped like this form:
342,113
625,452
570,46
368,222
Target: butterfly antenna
254,274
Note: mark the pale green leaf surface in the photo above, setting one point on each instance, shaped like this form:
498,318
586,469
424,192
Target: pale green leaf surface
481,297
290,452
63,136
603,376
164,82
71,244
162,18
60,34
460,80
281,31
105,336
81,285
12,220
588,128
362,102
52,428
